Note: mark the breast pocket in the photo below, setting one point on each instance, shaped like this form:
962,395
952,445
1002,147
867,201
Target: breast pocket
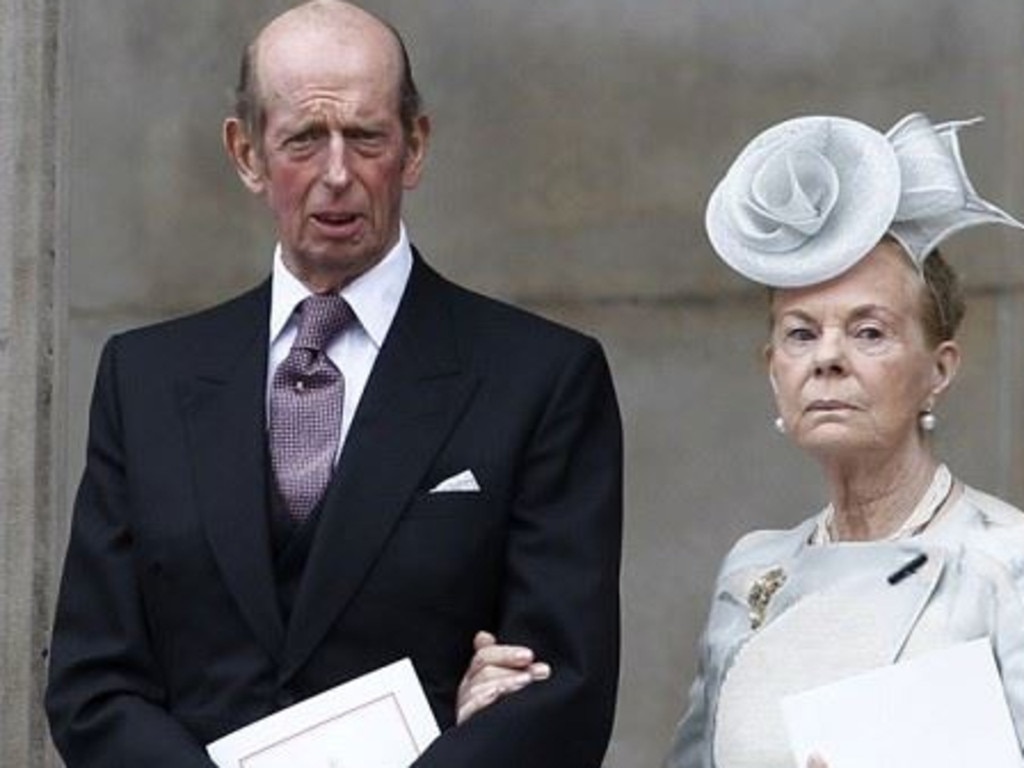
448,503
443,551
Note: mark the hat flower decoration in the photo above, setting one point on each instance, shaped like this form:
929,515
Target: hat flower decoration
809,197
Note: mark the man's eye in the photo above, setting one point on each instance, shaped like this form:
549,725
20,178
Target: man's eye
305,137
366,141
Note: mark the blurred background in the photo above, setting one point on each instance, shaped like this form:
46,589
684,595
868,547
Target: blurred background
575,143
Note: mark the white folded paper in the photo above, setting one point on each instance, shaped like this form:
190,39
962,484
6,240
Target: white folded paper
944,709
379,720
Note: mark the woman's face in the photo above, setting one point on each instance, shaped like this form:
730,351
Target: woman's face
849,362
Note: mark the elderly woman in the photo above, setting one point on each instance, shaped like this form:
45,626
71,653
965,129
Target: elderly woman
843,223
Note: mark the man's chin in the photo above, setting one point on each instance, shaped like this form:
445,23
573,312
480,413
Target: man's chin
333,269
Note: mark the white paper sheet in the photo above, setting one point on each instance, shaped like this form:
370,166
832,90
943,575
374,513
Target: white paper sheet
942,710
379,720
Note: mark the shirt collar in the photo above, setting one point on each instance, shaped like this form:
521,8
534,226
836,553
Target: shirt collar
373,296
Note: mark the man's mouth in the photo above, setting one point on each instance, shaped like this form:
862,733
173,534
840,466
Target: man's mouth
335,219
336,224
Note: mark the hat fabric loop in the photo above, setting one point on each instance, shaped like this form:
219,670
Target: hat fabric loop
932,184
937,197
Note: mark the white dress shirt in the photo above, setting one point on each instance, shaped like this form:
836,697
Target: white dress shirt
373,298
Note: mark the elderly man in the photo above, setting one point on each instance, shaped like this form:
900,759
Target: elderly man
354,462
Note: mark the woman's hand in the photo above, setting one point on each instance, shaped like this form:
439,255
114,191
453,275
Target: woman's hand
495,671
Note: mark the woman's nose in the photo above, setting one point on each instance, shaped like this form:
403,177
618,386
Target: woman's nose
829,354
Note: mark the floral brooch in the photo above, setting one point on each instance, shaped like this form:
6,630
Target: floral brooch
761,592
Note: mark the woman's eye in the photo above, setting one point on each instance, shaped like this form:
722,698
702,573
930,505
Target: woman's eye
869,333
799,334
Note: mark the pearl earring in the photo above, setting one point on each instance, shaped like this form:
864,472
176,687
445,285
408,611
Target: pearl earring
927,421
780,425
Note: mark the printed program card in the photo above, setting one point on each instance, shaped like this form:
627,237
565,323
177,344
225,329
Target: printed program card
945,709
379,720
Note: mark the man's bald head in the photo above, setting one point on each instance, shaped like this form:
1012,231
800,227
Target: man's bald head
334,16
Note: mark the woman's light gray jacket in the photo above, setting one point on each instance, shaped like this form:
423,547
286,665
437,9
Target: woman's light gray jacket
974,572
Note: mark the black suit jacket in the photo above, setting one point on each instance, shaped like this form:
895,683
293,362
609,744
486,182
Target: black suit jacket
168,631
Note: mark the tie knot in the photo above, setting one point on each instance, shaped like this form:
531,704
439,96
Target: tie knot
321,318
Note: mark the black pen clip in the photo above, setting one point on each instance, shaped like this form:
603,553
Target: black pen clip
907,570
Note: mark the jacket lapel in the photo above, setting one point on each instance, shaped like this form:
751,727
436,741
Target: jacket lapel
414,397
890,577
855,572
224,411
917,589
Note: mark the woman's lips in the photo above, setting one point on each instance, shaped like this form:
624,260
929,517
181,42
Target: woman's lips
827,406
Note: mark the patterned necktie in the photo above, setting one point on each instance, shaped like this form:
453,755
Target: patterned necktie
305,407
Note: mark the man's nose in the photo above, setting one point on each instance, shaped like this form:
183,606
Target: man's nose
336,171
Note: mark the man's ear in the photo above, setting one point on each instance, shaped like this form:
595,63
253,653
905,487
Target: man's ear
245,155
416,151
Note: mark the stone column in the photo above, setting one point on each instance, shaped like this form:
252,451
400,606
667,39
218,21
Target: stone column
32,311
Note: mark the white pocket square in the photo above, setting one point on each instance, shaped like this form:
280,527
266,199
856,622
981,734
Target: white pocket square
463,482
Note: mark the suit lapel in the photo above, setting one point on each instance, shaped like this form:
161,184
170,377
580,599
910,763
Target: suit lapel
415,394
224,411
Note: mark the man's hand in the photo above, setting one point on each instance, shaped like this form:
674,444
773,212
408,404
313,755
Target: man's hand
495,671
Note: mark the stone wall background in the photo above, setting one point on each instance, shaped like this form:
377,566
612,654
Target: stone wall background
575,144
33,251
